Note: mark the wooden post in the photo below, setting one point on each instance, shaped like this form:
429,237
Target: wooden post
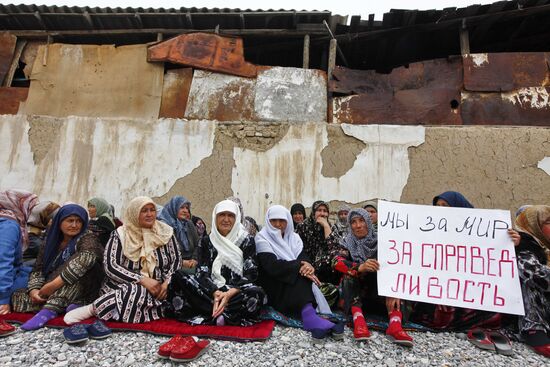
160,36
46,47
331,57
20,46
464,39
306,52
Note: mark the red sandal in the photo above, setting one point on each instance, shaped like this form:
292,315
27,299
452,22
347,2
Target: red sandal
189,350
166,349
6,329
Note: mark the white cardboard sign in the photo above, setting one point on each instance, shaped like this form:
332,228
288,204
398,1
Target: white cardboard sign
449,256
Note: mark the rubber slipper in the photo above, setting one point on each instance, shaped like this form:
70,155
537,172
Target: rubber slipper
337,331
6,329
501,342
480,339
76,334
98,330
189,354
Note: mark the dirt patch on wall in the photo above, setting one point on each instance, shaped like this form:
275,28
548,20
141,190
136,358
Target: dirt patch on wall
207,184
341,152
43,135
258,137
493,167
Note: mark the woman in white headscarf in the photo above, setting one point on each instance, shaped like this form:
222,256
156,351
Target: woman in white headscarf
287,275
223,290
140,258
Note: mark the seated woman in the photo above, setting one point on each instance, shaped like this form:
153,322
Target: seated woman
176,214
357,262
101,219
140,258
372,207
533,257
286,274
453,199
223,290
67,270
15,208
298,213
341,227
320,242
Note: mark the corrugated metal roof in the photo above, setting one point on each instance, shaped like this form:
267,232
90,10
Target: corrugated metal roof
33,17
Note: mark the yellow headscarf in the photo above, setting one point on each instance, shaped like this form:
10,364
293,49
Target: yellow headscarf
531,221
139,244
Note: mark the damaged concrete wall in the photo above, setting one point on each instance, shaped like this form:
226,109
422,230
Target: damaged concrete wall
98,81
77,158
263,163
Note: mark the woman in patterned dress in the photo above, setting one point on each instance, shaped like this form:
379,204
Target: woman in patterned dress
67,271
223,290
140,258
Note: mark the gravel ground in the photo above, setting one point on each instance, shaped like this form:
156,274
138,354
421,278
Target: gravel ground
287,347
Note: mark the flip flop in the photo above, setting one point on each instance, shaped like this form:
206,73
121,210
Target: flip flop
501,342
480,339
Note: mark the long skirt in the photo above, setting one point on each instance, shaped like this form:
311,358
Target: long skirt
57,302
128,302
190,301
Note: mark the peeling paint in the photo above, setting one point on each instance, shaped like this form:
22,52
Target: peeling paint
480,59
544,165
292,170
113,158
535,97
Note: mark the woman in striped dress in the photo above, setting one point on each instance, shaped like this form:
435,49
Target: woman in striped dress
140,258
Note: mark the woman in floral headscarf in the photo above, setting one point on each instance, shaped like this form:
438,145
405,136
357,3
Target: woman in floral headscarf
223,290
101,219
532,251
140,258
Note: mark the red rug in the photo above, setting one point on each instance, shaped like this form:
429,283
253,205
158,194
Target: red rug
169,327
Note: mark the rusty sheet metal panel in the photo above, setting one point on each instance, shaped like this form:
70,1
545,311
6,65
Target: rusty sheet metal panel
205,51
221,97
10,99
439,73
7,48
526,106
408,107
506,71
175,91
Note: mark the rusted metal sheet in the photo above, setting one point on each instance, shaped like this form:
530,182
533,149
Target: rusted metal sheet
526,106
439,73
10,98
408,107
205,51
175,92
506,71
7,48
221,97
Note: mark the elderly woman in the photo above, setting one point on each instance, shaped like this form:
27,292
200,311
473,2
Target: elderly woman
371,206
320,241
357,262
140,258
533,250
102,222
341,227
67,270
15,208
223,290
286,274
176,213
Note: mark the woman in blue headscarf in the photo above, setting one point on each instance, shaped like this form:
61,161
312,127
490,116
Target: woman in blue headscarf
68,269
177,213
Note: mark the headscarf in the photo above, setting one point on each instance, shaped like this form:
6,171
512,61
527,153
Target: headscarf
343,226
531,221
52,258
42,214
361,249
102,209
139,244
17,205
311,219
372,203
287,247
297,208
237,201
169,215
229,252
521,209
454,199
